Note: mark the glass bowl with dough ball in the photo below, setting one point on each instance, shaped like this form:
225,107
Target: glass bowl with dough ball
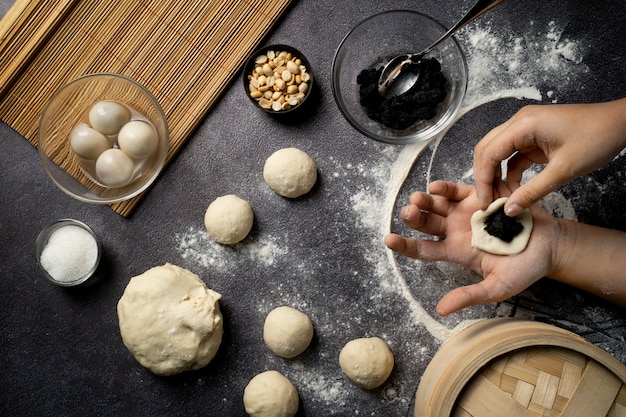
169,320
290,172
229,219
428,108
270,394
287,332
103,138
368,362
278,79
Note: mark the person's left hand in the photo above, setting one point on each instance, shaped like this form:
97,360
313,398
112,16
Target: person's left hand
446,213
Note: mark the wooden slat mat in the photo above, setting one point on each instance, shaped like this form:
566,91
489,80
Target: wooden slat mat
184,52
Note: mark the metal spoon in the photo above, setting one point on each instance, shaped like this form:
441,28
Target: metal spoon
402,71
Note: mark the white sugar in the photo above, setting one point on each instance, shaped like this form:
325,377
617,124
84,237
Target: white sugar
71,252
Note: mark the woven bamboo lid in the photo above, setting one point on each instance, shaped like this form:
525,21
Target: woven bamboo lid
521,368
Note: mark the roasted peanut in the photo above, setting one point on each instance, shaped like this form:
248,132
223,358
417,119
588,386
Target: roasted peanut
279,80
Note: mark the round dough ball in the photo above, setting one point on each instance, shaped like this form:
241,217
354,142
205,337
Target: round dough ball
138,139
290,172
228,219
169,320
482,240
108,116
270,394
88,143
368,362
114,168
287,332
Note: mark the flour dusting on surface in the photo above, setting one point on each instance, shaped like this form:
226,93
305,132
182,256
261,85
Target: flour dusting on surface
196,245
313,384
501,62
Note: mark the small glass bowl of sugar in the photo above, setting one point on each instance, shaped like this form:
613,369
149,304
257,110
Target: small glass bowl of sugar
68,252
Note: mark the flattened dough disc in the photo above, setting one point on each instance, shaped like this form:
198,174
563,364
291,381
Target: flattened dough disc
482,240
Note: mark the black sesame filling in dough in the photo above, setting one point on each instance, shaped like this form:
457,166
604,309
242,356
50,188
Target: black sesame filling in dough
403,111
502,226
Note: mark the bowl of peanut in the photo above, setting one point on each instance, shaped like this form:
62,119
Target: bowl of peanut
277,78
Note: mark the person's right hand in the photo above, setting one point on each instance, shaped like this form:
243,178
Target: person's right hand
573,139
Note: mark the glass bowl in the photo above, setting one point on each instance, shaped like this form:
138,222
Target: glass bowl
67,252
250,66
70,107
370,45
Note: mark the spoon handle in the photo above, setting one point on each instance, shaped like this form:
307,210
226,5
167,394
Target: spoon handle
479,8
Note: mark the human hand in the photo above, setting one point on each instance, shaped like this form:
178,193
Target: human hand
573,139
446,213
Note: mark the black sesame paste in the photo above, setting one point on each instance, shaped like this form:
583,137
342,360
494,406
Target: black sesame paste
404,110
502,226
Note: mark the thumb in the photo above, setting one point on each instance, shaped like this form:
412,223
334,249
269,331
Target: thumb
460,298
483,292
534,190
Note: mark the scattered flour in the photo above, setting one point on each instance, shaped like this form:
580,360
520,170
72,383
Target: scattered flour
501,62
312,384
195,245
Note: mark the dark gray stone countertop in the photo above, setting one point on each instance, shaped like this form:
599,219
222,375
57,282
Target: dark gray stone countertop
61,352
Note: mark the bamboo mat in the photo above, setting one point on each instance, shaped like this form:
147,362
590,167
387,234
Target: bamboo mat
184,52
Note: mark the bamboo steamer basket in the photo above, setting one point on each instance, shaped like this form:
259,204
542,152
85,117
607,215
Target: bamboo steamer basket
521,368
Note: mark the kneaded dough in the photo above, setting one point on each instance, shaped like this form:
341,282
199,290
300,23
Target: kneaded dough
228,219
270,394
169,320
492,244
287,332
367,361
290,172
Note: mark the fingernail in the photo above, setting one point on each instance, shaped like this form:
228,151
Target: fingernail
404,213
512,210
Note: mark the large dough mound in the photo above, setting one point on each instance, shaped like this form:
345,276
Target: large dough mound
169,320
